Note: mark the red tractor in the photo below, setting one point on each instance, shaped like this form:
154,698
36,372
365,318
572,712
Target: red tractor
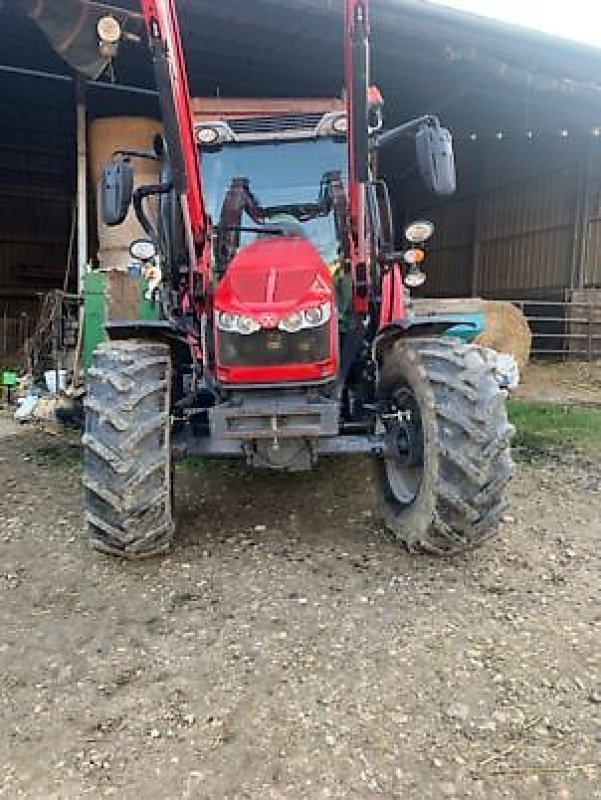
283,333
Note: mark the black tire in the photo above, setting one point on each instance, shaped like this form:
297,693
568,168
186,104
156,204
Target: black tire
127,458
453,498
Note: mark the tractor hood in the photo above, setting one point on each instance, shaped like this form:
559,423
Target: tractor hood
273,277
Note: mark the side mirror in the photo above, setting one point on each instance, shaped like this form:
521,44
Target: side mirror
116,190
435,158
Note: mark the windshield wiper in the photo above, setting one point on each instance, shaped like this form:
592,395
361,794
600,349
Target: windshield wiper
270,231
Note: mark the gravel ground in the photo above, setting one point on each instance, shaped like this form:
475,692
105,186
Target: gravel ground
288,649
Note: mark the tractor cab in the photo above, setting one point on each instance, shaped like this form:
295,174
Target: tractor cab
287,164
276,193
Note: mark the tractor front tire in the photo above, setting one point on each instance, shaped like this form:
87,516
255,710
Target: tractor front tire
127,457
442,480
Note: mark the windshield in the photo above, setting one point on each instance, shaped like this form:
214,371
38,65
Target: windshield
286,173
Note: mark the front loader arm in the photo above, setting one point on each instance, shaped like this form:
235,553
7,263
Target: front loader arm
356,67
176,108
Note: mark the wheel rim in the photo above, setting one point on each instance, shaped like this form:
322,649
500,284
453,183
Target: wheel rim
404,462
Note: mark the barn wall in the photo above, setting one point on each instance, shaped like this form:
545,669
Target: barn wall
525,234
531,236
520,225
451,255
36,190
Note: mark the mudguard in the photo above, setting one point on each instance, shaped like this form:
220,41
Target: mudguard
150,330
431,326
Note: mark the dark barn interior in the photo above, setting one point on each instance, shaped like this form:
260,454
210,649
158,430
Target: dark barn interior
524,109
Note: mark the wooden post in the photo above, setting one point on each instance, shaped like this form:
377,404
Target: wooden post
581,222
82,184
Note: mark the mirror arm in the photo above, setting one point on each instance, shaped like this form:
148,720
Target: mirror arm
148,154
391,136
140,194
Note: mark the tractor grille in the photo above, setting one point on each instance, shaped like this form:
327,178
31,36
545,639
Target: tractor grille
280,123
273,348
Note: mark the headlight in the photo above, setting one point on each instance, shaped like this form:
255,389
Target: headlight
207,135
142,250
247,325
414,277
226,322
292,323
315,316
234,323
340,124
414,256
309,318
109,29
419,232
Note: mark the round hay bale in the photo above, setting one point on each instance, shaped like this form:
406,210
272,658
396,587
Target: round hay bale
506,330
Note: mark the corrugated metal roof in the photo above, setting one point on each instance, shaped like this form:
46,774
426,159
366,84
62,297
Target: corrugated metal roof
220,37
482,75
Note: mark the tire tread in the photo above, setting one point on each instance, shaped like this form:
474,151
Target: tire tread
472,464
127,460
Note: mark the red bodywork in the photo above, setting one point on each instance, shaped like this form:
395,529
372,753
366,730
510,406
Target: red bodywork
356,14
163,31
300,275
393,296
268,280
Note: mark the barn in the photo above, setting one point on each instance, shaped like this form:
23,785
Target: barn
524,109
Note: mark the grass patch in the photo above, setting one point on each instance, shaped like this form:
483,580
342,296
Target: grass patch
544,429
194,463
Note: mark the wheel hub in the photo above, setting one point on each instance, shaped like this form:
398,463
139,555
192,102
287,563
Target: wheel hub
404,438
406,445
404,435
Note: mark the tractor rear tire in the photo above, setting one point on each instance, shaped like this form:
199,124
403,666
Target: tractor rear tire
443,478
127,457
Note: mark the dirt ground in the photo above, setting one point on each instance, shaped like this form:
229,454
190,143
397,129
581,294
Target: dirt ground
570,383
288,649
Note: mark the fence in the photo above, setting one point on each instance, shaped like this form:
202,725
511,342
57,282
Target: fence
14,332
564,329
